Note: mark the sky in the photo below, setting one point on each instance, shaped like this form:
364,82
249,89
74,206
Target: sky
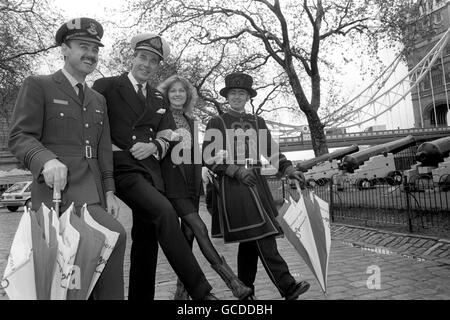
352,79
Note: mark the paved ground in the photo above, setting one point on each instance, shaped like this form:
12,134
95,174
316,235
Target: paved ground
364,264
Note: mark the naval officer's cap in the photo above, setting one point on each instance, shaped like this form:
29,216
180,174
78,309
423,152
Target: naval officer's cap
151,42
85,29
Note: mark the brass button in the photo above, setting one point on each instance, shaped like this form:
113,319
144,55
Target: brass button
150,139
87,125
133,137
84,109
61,114
87,142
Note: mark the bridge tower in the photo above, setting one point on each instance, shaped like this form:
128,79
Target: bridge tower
431,97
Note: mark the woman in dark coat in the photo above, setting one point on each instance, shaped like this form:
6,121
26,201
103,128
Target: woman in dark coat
182,174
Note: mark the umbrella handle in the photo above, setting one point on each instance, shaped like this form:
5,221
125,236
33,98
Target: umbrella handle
297,185
56,199
4,284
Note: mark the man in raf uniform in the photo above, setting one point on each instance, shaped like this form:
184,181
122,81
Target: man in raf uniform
141,129
60,132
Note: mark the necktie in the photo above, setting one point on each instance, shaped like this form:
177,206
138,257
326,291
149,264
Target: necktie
80,92
141,94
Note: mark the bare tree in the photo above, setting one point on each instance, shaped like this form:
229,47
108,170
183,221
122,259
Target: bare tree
205,70
285,44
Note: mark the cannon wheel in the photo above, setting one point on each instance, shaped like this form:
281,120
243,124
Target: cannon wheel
363,184
444,183
394,178
322,181
311,183
424,182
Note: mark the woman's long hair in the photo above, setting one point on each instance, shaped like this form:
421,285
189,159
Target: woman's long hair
191,92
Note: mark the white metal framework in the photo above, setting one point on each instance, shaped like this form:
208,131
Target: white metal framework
382,101
379,97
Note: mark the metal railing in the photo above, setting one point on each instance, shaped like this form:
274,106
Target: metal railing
417,205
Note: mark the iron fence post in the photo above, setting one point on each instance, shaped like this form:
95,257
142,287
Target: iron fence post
408,204
283,190
331,199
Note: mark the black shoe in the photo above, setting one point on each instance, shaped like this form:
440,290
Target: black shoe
181,292
250,297
298,289
209,296
237,287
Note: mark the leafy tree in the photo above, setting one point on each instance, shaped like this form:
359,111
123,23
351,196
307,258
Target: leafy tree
290,47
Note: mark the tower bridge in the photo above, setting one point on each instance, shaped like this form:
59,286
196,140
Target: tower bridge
426,87
303,141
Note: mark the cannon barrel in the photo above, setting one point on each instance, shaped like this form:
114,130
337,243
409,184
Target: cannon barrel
353,161
339,154
433,152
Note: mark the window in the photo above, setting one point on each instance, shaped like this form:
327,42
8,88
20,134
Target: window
425,84
28,189
17,187
437,17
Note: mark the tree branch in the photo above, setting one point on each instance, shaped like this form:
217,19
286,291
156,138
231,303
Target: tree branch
28,53
356,24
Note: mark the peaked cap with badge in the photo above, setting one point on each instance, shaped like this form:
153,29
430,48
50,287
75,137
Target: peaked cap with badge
86,29
238,80
151,42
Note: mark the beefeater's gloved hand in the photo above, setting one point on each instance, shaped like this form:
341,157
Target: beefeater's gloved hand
246,177
293,174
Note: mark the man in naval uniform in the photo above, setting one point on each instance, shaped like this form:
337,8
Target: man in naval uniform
141,129
60,132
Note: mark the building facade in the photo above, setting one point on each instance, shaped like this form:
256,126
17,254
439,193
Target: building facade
431,97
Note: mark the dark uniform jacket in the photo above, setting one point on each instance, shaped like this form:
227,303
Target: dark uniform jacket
132,123
176,175
242,213
49,122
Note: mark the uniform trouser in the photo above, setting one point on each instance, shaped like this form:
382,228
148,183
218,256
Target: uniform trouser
157,219
144,259
110,284
276,267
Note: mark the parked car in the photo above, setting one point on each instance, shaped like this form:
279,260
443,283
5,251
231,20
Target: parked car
19,194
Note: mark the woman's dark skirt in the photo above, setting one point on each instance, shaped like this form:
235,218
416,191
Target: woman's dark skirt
185,206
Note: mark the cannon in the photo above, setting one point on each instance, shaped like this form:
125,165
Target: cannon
374,165
353,161
306,165
433,152
433,166
318,170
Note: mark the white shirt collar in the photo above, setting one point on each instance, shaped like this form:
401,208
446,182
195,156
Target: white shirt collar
71,79
134,82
